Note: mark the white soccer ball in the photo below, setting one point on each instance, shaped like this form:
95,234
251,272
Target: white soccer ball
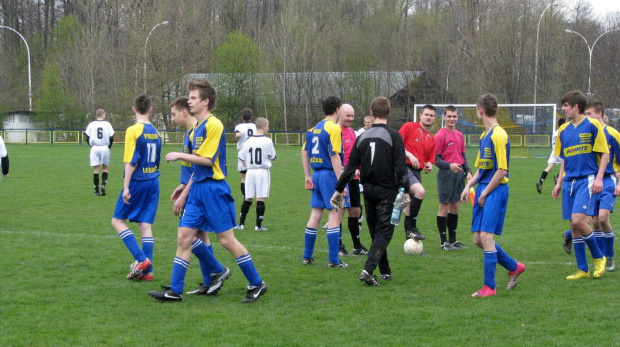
413,247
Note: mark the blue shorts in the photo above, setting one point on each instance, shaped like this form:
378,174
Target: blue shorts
577,196
210,206
324,187
490,218
604,200
143,203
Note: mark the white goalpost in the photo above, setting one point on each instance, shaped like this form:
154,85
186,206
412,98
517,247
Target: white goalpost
528,125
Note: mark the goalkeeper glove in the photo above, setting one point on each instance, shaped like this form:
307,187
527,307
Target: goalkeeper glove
337,201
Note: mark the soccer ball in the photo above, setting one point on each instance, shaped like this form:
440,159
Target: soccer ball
413,247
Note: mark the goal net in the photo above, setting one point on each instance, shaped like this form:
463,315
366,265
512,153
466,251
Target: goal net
527,125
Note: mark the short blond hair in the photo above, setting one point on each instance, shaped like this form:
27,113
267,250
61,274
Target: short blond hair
261,122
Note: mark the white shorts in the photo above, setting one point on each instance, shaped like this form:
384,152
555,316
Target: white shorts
99,155
257,182
240,167
553,159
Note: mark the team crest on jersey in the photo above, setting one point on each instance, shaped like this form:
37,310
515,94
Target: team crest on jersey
579,149
585,137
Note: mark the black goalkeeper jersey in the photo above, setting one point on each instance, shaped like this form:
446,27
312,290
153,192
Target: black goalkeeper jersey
380,152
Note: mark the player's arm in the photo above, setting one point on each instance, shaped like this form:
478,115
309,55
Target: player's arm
129,169
111,141
558,186
177,191
5,166
191,158
400,162
472,182
305,162
597,186
179,203
349,171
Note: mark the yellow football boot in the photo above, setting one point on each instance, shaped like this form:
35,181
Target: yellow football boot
578,275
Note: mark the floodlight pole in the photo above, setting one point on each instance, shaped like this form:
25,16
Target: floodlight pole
536,61
145,43
29,74
590,49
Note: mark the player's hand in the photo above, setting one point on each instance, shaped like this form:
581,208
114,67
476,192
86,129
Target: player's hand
309,184
617,190
428,167
414,161
597,186
468,177
481,199
337,201
556,190
345,193
456,168
126,195
404,202
173,156
177,192
465,194
179,205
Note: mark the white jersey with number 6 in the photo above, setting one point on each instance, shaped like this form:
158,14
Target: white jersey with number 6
99,132
246,130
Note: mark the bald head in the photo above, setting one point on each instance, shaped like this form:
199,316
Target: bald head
347,114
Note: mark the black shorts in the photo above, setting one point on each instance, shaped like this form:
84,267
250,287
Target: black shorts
450,185
354,193
413,175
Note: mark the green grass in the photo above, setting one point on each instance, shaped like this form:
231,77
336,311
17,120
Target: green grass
63,271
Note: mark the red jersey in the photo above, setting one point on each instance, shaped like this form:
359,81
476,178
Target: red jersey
451,145
418,142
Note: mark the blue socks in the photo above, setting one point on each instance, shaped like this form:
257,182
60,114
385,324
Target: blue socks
310,239
490,264
249,270
504,259
147,247
208,263
580,253
132,245
600,242
177,280
592,246
609,243
333,242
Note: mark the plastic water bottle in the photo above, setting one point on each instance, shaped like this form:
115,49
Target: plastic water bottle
397,211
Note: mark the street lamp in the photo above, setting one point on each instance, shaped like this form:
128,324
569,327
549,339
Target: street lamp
536,58
28,52
145,43
590,49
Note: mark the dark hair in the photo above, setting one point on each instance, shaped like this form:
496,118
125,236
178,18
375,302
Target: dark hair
142,104
575,97
380,107
488,102
450,108
206,91
331,104
180,103
597,106
247,114
561,121
429,107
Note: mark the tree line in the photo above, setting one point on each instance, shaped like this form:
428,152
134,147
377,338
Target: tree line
94,53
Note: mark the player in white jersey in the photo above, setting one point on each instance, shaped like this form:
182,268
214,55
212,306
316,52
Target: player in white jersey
256,155
100,136
4,159
243,132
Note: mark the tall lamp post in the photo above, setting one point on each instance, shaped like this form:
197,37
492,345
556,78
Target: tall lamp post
536,64
536,58
145,43
29,74
590,49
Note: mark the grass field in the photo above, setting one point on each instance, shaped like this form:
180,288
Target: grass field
63,271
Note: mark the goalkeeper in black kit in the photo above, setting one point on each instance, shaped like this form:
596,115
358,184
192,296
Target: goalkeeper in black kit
380,152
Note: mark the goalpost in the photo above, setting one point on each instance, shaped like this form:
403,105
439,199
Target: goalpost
527,125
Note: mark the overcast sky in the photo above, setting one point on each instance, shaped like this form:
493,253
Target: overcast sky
602,7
